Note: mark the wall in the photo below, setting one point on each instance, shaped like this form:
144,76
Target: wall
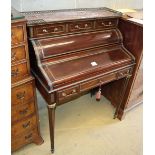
32,5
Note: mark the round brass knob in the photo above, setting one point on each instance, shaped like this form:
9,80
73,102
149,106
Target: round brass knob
86,25
110,23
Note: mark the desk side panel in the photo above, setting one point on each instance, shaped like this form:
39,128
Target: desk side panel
133,41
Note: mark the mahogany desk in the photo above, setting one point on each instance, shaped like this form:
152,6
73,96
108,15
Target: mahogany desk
73,51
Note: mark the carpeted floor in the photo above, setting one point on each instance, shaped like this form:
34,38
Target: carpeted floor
86,127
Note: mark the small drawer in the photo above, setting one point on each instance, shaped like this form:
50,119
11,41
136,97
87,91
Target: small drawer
89,84
123,73
99,81
19,72
80,26
23,126
17,34
105,23
68,92
52,29
25,138
18,53
20,112
22,94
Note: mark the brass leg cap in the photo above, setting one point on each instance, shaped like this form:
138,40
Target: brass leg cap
52,151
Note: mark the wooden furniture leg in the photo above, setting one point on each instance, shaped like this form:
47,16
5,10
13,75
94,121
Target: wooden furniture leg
51,113
118,112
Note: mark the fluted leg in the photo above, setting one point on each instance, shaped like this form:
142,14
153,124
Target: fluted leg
51,113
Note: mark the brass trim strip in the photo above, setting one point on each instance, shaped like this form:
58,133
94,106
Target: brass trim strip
51,106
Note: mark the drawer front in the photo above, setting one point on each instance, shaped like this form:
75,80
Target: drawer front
23,126
23,139
104,79
53,29
68,92
20,112
99,81
19,72
18,53
17,34
81,26
99,24
22,93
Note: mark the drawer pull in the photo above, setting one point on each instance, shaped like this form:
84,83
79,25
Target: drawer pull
86,25
55,29
24,111
12,34
64,94
44,30
21,95
74,91
13,56
109,24
28,136
14,72
26,124
77,26
122,74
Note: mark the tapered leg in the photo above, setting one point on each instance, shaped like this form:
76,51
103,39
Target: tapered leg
51,114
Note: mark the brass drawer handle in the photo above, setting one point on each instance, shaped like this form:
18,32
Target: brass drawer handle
13,56
24,111
77,27
26,124
122,74
28,136
55,29
109,24
44,30
73,91
14,72
21,95
64,94
100,82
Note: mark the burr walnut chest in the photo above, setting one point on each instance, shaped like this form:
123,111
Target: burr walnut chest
24,112
74,51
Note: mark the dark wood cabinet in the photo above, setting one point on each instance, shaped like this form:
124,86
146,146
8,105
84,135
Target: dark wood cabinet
24,111
133,41
132,33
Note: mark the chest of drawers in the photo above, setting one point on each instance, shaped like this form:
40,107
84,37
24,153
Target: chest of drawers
24,113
